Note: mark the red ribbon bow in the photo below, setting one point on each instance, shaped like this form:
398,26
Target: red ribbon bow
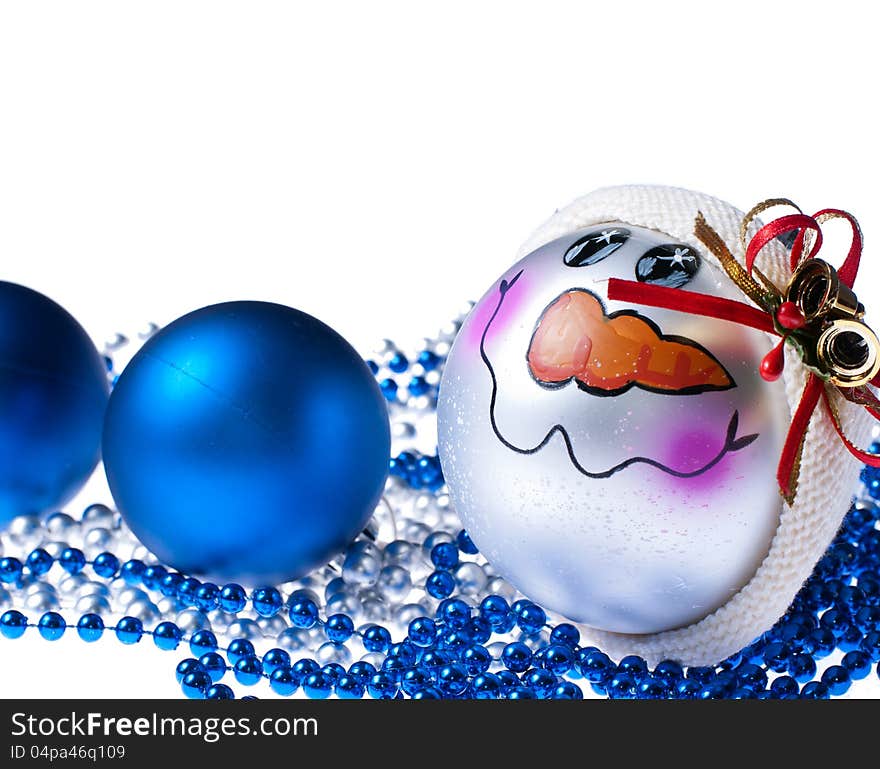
776,315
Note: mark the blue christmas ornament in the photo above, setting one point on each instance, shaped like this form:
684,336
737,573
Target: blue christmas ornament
53,392
247,441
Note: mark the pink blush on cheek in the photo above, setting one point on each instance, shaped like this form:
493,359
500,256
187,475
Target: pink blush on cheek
508,316
689,448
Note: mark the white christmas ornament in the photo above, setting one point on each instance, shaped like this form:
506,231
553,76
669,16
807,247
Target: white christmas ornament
616,462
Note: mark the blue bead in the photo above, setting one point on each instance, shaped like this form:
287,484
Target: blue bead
485,686
476,659
72,560
196,684
394,668
132,571
521,693
334,671
240,649
428,693
688,689
187,589
187,666
373,366
541,682
283,681
837,679
669,672
567,691
247,671
452,679
850,639
267,601
414,680
465,543
214,665
751,677
417,386
389,389
444,555
219,692
595,666
153,576
274,659
398,363
303,613
742,694
868,619
558,658
338,628
202,641
776,656
53,384
51,626
815,690
361,672
565,634
349,688
233,598
531,617
90,627
494,609
455,613
428,360
440,584
634,665
434,659
265,396
480,630
857,663
129,630
822,642
382,687
407,652
376,638
422,631
207,596
167,635
784,687
106,565
170,584
304,667
10,570
39,561
516,657
651,687
622,686
801,667
836,620
871,645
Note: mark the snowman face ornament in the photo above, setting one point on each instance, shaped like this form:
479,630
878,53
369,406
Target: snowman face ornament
615,463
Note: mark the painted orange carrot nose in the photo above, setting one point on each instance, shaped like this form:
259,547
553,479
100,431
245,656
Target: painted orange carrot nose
607,354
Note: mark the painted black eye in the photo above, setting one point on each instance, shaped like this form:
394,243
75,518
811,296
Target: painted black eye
671,266
596,246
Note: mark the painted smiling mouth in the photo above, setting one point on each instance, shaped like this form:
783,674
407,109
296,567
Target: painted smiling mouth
560,353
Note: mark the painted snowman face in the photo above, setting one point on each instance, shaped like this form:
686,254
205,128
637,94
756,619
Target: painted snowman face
615,463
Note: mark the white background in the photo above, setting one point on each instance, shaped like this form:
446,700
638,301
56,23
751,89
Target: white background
376,164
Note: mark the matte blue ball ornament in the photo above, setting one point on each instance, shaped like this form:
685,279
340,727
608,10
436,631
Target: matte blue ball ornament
53,392
246,441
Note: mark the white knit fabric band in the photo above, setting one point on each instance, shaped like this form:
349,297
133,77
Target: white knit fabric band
828,471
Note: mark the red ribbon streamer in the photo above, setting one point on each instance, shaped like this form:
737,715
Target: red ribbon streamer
763,320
